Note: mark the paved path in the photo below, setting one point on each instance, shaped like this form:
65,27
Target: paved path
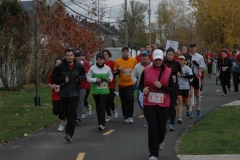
121,142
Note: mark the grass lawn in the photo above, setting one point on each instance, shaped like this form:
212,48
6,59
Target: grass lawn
218,133
19,117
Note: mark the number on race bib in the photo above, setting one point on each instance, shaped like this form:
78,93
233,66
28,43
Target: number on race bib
155,97
102,85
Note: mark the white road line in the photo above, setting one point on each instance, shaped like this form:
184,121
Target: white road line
80,156
108,132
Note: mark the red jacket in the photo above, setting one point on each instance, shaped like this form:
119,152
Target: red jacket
85,84
151,75
111,85
220,55
55,95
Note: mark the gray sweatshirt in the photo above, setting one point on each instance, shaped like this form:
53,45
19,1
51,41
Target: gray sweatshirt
137,71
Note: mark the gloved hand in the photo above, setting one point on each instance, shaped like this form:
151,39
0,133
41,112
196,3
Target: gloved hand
194,62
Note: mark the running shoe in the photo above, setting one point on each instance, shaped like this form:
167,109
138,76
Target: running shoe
115,114
60,128
224,95
153,158
198,113
201,93
89,110
68,138
145,124
188,115
172,127
126,121
161,145
179,120
130,119
168,120
78,122
108,119
191,114
84,116
101,128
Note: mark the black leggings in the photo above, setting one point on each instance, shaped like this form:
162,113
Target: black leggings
110,102
209,66
173,102
86,97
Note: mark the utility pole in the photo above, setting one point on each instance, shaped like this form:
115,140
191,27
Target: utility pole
126,24
99,47
149,25
35,50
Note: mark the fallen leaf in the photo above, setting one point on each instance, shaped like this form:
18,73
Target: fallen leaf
25,134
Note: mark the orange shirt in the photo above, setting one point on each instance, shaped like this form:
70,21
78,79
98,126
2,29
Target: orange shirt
125,74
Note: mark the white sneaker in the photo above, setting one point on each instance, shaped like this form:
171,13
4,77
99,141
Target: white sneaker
161,145
201,93
89,108
130,119
84,116
126,121
115,114
108,119
101,128
153,158
60,128
224,95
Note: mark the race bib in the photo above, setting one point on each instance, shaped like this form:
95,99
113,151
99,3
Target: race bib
174,78
57,88
102,85
209,60
155,97
126,71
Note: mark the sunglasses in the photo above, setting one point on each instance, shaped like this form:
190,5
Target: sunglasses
77,56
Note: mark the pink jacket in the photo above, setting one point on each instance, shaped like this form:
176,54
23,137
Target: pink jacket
155,95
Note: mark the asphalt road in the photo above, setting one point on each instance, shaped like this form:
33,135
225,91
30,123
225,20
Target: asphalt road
124,141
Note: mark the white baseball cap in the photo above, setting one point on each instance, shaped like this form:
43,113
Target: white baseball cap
181,57
157,54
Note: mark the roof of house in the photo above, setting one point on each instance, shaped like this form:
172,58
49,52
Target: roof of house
109,42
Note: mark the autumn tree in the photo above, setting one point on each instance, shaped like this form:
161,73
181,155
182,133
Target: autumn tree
136,24
218,22
174,22
59,31
14,53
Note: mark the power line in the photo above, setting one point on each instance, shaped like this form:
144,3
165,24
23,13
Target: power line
104,7
81,14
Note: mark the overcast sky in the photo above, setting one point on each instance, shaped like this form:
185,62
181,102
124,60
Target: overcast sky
112,8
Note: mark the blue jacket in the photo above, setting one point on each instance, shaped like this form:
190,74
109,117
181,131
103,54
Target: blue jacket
235,65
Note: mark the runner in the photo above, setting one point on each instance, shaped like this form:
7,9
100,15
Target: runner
176,72
68,75
150,51
156,83
99,75
224,65
83,85
136,75
87,87
235,70
209,60
124,66
197,65
112,87
215,63
138,57
184,87
56,103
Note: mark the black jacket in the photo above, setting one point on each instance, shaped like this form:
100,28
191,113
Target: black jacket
76,75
